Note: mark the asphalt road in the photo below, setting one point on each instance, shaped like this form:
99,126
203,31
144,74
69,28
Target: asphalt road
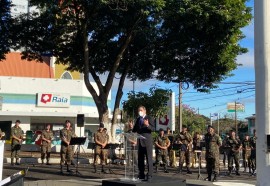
83,175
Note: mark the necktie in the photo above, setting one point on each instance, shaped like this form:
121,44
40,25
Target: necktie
141,121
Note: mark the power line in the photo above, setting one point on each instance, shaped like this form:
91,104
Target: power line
215,96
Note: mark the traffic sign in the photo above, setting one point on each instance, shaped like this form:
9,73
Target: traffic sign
239,107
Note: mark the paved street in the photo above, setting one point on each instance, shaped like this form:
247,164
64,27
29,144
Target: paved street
50,175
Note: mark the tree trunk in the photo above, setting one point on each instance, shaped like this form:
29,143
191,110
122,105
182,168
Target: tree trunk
119,95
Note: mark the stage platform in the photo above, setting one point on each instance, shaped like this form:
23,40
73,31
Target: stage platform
156,181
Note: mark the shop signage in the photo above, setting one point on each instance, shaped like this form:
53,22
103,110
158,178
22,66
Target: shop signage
53,100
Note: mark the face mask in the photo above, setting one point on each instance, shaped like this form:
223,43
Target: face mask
141,113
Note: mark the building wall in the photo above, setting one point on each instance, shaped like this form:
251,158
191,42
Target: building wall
60,69
19,101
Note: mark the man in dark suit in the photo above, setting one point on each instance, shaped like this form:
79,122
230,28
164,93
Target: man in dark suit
144,126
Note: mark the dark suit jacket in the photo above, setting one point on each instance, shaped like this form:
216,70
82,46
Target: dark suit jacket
145,131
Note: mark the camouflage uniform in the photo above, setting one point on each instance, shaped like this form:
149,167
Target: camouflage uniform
170,151
197,146
212,144
112,150
253,153
15,144
161,154
233,153
185,151
99,151
66,152
46,147
246,154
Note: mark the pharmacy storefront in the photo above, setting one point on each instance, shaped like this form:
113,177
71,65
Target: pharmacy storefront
40,101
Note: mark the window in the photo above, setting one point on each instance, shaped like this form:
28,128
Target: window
66,75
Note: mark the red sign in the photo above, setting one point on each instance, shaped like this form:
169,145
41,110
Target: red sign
46,98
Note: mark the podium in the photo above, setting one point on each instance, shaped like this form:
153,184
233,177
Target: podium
131,163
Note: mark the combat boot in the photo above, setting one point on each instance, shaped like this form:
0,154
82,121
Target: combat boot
17,161
103,170
165,169
188,171
215,177
180,170
95,169
42,161
12,162
48,162
249,170
156,168
230,171
61,169
245,166
68,169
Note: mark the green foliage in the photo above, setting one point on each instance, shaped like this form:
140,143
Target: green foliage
195,122
155,102
193,41
5,23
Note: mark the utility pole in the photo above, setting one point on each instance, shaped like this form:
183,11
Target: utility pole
180,107
262,76
235,119
133,91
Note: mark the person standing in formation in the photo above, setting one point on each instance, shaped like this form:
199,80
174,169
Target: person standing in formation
185,139
171,153
101,140
212,144
144,126
162,143
197,149
234,147
46,146
246,146
253,152
66,151
16,142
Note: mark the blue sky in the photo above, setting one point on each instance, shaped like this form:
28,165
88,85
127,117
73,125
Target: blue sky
240,87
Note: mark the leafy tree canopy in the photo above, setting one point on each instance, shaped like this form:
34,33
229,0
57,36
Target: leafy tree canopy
5,23
155,102
194,41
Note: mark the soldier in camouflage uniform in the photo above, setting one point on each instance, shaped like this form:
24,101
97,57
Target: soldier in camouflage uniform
234,146
101,140
212,144
185,139
253,152
246,146
66,151
162,143
46,137
170,151
16,142
112,152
